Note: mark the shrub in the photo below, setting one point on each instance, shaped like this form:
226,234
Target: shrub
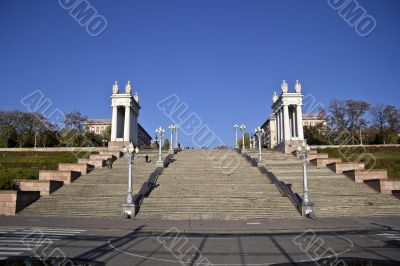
6,183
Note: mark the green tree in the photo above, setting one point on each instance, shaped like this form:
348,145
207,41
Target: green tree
93,138
166,144
72,135
75,120
107,133
246,141
315,135
346,117
379,120
387,119
392,116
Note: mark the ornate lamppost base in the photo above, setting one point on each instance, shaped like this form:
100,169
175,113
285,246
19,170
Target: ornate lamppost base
307,209
260,164
243,151
128,210
236,146
160,164
171,151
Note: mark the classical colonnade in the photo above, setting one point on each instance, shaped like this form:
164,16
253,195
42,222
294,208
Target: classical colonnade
287,111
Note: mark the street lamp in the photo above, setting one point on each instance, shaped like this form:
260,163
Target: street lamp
242,128
128,208
160,133
176,136
171,130
259,133
307,207
235,127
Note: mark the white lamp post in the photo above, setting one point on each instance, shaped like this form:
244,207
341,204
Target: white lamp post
235,127
176,136
259,133
128,208
307,207
171,130
160,133
242,128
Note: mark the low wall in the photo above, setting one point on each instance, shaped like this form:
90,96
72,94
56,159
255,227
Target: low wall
12,201
352,146
58,149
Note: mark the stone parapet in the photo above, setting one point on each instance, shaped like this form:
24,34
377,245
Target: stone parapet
323,162
65,176
359,176
97,163
340,167
12,201
384,186
45,187
289,146
77,167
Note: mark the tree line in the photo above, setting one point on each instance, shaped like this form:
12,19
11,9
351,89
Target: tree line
354,122
24,129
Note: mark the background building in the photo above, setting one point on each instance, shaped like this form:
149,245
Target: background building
99,126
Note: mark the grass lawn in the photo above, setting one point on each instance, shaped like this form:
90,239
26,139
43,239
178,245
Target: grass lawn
26,165
374,157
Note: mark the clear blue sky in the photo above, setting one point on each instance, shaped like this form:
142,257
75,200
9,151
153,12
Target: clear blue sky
224,58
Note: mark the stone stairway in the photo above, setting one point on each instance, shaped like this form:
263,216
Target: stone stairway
98,194
194,187
334,195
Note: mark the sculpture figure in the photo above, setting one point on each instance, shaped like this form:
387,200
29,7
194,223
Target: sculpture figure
274,97
284,86
136,97
115,88
297,87
128,88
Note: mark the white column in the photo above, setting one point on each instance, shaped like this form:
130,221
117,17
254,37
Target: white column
278,115
176,137
127,124
135,134
171,145
277,127
296,129
286,127
299,117
114,123
281,124
292,123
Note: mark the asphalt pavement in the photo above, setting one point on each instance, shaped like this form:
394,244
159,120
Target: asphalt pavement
160,242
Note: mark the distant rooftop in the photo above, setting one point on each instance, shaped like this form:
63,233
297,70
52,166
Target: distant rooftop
98,121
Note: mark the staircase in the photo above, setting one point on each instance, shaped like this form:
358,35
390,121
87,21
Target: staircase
98,194
334,195
194,187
